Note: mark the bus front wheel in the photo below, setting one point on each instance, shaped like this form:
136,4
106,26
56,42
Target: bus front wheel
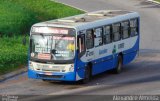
88,74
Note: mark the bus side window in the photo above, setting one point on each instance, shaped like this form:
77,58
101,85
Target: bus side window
89,39
125,29
98,32
107,35
81,43
134,27
116,32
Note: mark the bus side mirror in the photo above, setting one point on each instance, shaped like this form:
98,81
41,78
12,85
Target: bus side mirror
24,41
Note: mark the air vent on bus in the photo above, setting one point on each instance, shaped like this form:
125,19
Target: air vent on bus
66,20
76,19
80,19
102,13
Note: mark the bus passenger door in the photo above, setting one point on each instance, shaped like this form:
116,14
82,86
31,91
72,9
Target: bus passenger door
85,53
82,55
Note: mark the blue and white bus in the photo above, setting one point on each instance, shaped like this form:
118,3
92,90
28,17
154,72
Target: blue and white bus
78,47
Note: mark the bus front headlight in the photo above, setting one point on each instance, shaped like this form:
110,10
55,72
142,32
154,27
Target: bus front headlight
71,68
31,66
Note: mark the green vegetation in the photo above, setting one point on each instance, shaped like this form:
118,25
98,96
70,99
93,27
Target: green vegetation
158,0
12,53
16,18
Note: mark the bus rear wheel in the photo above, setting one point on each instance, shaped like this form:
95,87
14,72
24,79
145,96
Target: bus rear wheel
88,75
118,68
46,80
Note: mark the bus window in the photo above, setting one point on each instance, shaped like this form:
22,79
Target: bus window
107,35
81,43
116,32
134,27
98,36
89,39
125,29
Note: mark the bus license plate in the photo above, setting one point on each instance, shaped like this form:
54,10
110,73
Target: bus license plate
47,73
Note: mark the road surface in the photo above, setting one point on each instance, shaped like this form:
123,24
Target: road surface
142,76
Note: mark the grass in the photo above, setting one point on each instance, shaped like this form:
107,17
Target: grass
16,18
47,9
12,53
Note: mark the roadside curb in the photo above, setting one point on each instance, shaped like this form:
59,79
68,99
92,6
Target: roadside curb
153,1
69,5
12,74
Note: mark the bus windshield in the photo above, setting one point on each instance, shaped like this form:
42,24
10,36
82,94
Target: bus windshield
52,47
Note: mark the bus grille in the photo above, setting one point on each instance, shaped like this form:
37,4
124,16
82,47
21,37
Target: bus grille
50,68
50,76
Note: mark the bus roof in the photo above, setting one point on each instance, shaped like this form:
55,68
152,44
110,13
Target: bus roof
88,20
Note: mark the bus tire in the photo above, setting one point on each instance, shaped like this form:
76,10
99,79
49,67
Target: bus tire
118,68
88,75
45,80
49,81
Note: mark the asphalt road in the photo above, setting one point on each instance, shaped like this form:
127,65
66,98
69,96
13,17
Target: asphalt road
142,76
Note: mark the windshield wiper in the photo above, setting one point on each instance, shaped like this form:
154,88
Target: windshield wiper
42,35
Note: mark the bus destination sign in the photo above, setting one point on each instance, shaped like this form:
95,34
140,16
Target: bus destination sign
50,30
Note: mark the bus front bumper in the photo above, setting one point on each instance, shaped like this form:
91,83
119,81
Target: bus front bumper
57,76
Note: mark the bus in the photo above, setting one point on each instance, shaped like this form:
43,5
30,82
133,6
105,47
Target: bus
79,47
